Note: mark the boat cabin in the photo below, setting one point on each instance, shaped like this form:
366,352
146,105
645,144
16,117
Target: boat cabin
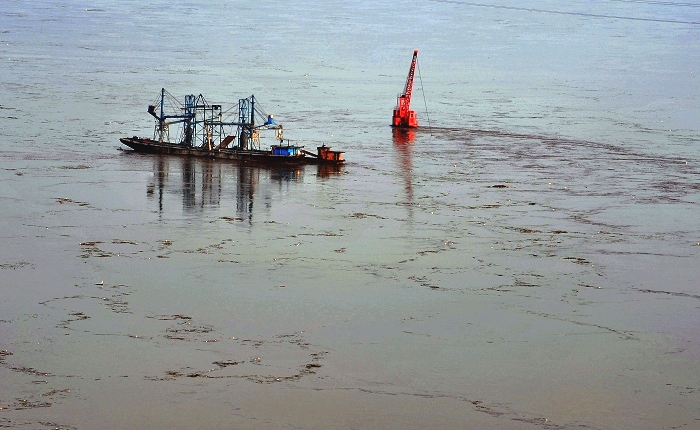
287,150
325,153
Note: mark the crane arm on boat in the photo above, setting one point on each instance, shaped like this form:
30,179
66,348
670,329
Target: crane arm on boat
403,116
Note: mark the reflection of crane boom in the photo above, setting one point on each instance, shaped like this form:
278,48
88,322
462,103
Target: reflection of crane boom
403,116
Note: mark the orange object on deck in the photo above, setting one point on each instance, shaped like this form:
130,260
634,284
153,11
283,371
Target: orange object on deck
403,116
325,153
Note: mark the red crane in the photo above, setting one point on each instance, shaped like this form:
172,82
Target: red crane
404,117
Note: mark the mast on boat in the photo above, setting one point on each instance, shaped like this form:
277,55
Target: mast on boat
203,125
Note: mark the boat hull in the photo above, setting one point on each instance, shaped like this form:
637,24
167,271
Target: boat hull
251,156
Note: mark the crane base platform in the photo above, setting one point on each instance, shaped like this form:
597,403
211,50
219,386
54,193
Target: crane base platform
405,121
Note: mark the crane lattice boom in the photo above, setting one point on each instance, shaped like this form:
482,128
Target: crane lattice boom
403,116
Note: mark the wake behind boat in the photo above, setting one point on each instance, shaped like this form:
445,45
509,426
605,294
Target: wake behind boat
207,130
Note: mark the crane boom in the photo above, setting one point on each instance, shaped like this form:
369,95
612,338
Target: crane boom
409,80
403,116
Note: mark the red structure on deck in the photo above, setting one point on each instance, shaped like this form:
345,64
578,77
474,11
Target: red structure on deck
404,117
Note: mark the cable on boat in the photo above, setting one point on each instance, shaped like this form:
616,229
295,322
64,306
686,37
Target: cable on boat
427,115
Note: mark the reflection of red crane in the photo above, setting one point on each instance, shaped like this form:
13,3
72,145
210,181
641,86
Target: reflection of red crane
403,116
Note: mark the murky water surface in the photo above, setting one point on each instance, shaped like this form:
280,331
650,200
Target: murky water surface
530,260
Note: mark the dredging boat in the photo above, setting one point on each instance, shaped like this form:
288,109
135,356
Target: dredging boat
203,131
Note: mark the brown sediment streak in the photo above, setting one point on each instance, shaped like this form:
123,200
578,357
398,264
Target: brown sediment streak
670,293
623,334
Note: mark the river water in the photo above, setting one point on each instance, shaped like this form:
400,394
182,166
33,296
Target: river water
527,259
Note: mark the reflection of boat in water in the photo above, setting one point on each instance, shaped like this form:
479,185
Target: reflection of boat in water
207,130
403,143
403,136
201,185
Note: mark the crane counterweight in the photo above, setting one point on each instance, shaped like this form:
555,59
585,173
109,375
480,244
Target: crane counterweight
403,116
